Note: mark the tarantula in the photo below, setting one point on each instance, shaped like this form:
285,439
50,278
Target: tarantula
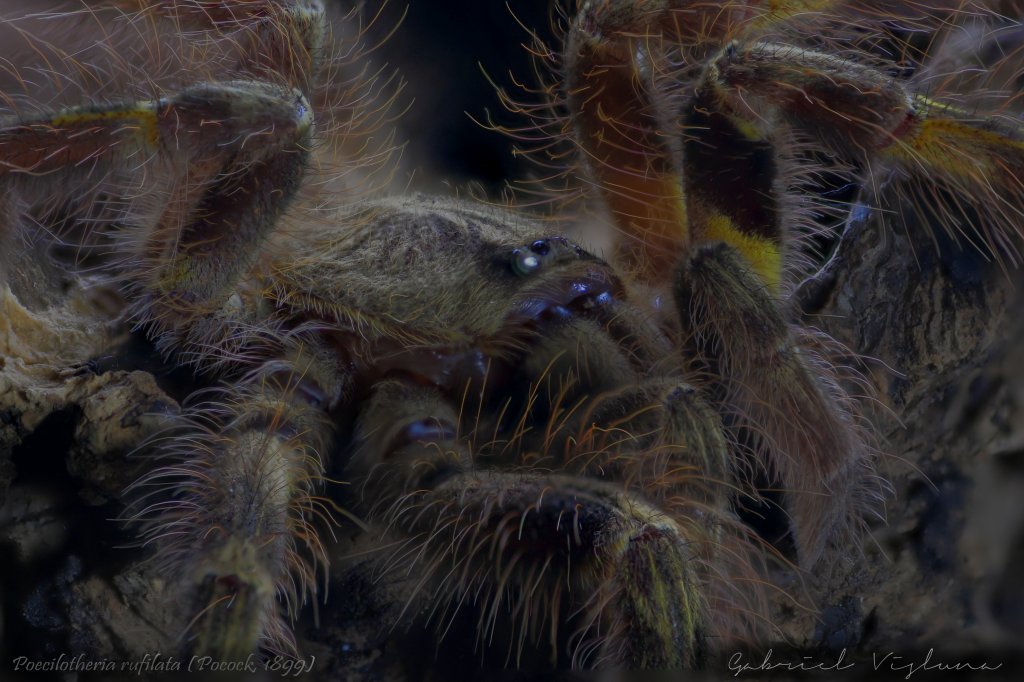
550,444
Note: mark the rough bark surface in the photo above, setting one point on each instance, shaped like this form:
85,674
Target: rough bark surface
940,330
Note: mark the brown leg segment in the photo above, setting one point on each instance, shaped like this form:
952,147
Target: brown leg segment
626,141
865,114
631,132
234,515
235,153
530,549
280,42
228,155
724,253
785,395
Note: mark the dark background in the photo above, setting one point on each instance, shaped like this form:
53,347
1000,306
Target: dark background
442,50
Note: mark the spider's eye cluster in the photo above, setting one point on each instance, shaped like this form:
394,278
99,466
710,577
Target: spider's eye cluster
529,259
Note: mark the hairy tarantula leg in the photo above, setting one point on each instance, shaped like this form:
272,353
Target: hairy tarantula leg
779,389
726,227
689,23
667,444
663,435
280,41
621,133
234,514
860,110
548,548
545,548
731,178
625,126
237,151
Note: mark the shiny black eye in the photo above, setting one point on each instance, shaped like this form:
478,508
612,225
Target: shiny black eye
525,262
540,247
